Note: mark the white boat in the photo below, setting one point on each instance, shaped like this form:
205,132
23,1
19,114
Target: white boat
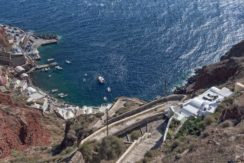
58,68
54,90
101,79
49,76
62,95
105,98
109,89
53,64
68,62
50,59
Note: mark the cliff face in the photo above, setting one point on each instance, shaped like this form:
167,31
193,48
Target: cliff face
227,71
236,51
222,139
20,128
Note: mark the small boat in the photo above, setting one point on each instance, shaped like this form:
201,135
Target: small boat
85,74
49,76
46,69
105,98
53,64
101,79
58,68
62,95
109,89
50,59
84,80
68,62
54,90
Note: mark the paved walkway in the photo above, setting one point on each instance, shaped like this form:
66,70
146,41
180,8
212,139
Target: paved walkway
141,149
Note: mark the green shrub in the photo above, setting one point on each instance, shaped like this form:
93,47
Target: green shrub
99,115
205,134
170,134
135,135
174,145
177,156
193,126
149,154
111,148
88,150
208,120
20,157
174,124
226,124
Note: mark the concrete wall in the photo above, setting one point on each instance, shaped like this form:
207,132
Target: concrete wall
167,129
141,123
146,106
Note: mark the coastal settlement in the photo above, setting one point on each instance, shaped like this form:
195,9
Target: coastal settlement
18,56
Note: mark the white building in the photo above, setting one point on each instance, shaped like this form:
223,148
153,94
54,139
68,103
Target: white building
203,104
19,69
24,76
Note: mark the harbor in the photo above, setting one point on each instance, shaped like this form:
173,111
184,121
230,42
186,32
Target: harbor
20,55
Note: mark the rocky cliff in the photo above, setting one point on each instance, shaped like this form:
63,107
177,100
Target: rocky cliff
20,128
229,69
221,137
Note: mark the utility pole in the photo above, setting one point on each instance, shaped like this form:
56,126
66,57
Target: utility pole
107,120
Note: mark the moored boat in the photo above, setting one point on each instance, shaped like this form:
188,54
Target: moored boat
62,95
67,61
58,68
54,90
101,79
109,89
50,59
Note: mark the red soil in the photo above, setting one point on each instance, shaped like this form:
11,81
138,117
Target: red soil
20,127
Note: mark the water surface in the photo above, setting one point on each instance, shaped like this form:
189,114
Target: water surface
136,45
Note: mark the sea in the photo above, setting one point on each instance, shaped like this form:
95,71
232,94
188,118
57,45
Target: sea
143,48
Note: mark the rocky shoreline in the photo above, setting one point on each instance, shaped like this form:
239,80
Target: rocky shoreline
227,70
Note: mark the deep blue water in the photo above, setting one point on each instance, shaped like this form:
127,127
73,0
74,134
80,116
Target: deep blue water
135,44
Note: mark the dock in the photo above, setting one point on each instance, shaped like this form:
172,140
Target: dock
53,64
38,67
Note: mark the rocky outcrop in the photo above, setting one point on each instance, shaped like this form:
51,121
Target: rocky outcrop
20,128
214,74
236,51
234,110
228,70
75,130
219,145
77,158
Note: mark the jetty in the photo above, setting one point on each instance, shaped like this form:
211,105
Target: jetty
20,48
